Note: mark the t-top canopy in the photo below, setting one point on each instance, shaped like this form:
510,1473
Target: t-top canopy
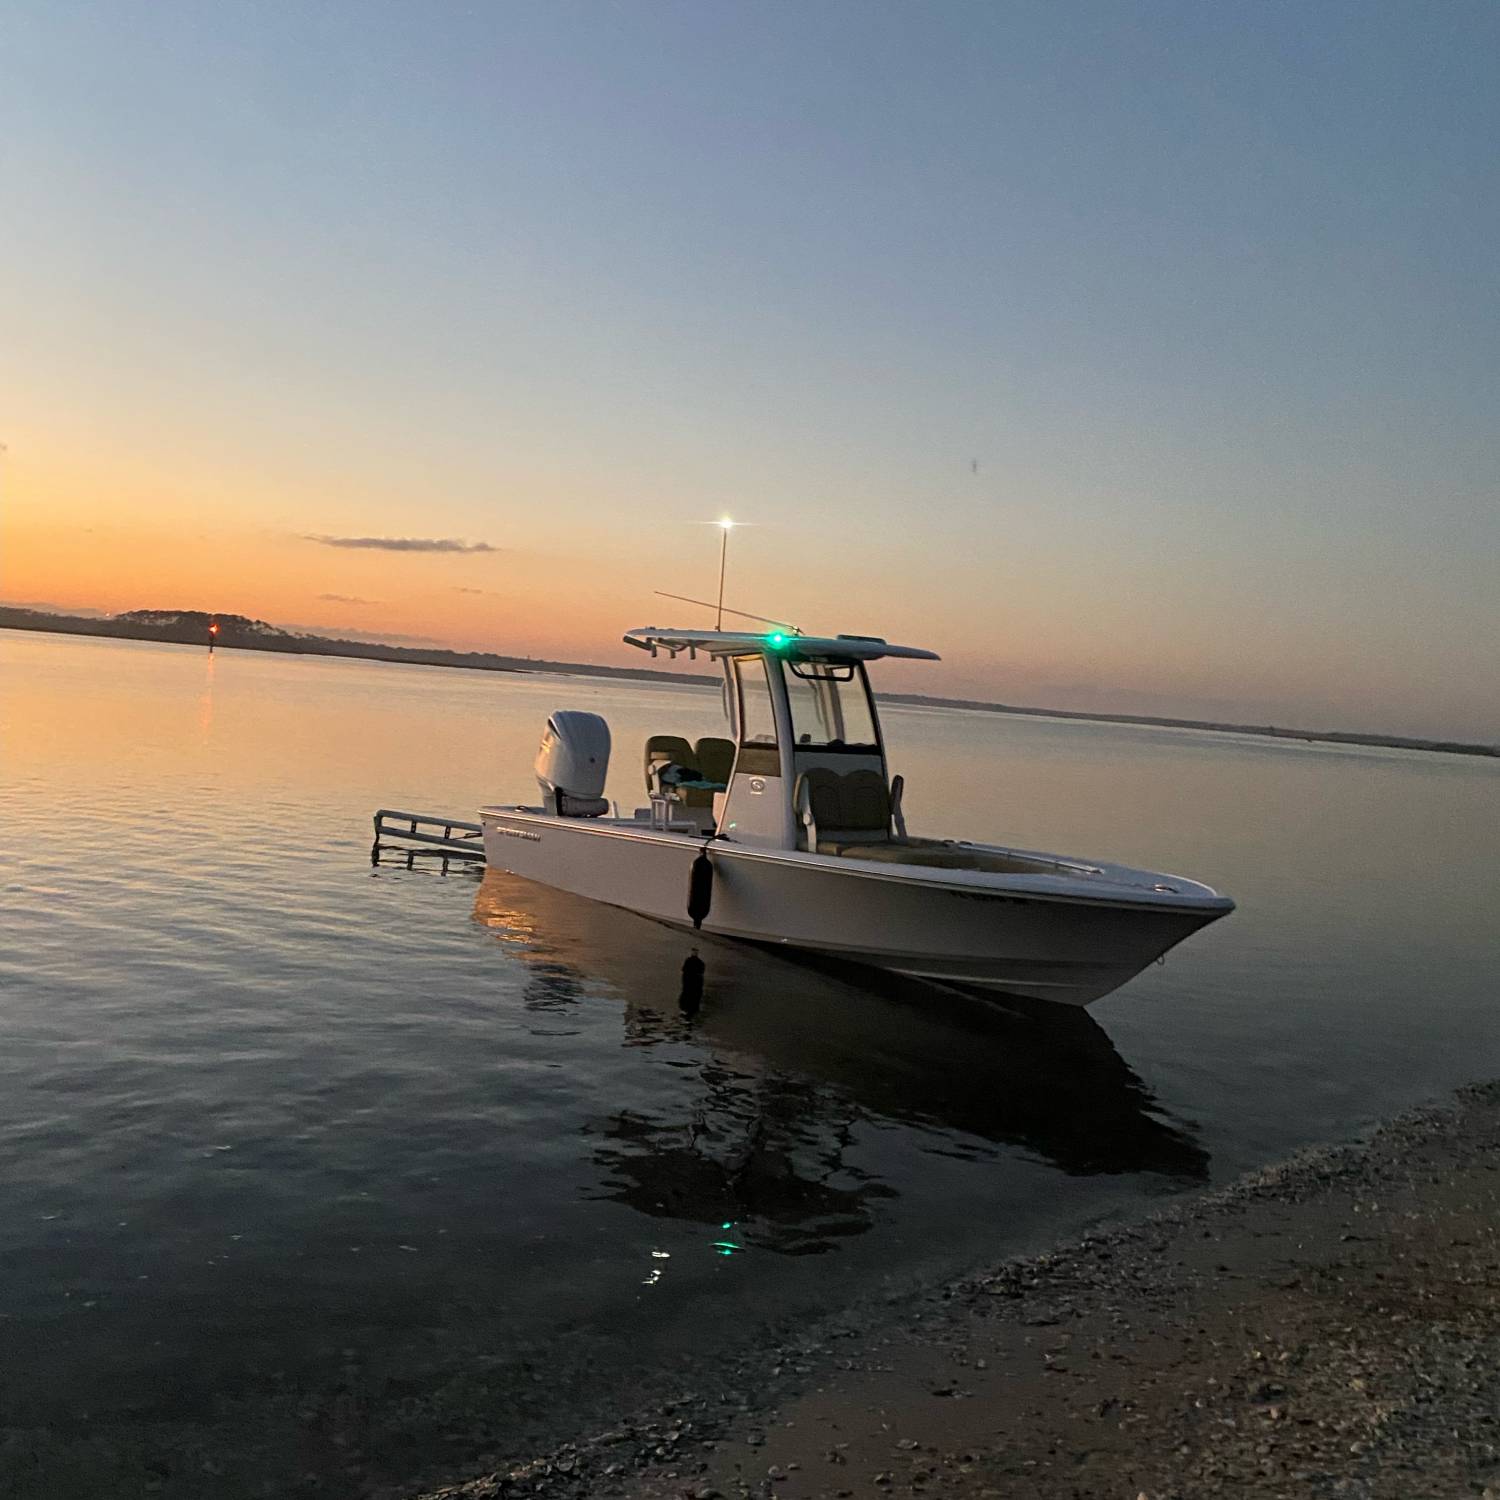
771,643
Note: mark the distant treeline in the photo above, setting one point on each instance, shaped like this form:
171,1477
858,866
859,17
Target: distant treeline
1270,731
190,627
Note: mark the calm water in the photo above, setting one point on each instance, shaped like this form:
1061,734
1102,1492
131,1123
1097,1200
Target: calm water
317,1171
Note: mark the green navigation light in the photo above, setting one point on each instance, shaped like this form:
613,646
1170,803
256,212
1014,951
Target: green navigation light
777,638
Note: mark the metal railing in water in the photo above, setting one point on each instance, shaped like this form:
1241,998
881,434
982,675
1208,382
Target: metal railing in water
399,830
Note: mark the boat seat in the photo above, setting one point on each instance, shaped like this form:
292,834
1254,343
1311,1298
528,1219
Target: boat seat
664,750
667,750
893,851
850,808
715,759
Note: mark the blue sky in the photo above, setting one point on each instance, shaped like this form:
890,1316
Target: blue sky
1208,292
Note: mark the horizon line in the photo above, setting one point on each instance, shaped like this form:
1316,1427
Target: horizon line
412,655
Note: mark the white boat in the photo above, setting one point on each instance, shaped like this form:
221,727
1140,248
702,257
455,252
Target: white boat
790,832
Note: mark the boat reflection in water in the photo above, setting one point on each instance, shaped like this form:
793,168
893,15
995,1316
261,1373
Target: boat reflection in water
789,1063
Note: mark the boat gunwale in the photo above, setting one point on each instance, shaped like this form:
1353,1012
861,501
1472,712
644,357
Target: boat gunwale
1117,894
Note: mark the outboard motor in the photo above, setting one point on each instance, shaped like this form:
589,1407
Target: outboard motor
572,763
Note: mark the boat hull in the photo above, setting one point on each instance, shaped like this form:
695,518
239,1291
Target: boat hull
1043,938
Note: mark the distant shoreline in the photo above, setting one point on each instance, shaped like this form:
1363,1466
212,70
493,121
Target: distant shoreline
237,633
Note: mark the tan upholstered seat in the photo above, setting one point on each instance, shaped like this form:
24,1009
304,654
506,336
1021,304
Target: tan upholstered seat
673,750
889,851
668,750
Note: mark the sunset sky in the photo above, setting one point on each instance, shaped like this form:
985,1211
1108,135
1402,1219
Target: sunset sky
1134,356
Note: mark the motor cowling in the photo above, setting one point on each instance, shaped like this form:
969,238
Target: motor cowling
572,763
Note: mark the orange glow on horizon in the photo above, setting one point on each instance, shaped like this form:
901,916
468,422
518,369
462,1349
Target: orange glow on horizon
1019,627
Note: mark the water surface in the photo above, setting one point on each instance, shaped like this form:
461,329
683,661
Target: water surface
319,1173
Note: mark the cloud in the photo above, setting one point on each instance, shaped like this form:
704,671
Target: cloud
404,543
347,599
460,589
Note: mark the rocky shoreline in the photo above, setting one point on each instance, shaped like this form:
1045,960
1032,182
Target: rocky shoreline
1329,1326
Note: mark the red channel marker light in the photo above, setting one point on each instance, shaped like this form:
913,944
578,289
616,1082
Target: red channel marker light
214,628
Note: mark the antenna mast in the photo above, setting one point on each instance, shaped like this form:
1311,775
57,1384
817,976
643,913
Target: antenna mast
727,526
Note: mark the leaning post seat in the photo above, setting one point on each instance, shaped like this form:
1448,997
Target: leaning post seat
671,750
667,750
715,759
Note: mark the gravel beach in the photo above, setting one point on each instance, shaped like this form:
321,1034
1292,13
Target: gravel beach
1329,1326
